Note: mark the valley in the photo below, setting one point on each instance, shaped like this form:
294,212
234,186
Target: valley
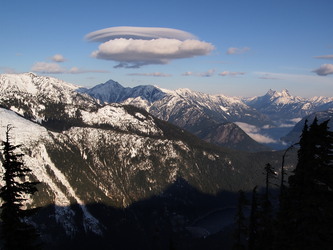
144,162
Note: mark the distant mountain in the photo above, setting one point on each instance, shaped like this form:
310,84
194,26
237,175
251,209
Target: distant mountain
296,132
281,106
166,103
111,92
231,136
94,160
196,112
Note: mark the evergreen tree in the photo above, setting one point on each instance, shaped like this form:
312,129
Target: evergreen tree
253,226
305,216
15,232
283,173
269,176
241,225
265,214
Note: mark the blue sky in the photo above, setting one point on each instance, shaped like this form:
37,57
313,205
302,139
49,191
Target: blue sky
236,48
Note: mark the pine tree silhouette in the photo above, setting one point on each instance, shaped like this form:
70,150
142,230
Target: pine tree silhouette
15,232
305,216
241,229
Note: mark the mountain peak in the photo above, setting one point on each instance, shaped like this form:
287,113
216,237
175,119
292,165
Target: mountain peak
111,84
285,92
274,93
270,92
30,74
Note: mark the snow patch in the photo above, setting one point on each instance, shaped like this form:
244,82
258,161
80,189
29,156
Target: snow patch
62,201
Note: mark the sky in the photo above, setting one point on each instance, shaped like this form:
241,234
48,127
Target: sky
235,48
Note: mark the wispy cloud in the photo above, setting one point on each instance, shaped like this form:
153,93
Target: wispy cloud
237,51
324,70
55,68
266,76
8,70
58,58
76,70
155,74
208,73
309,79
324,57
219,62
133,47
230,73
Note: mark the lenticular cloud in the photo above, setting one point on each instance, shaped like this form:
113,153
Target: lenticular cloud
133,47
145,33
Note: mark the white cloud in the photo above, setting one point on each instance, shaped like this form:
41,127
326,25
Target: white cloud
208,73
58,58
324,70
55,68
141,33
237,51
255,133
229,73
156,74
324,57
133,47
48,68
262,138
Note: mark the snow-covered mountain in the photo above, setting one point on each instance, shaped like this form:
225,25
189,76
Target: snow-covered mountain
264,118
281,106
96,160
112,91
36,97
169,105
198,113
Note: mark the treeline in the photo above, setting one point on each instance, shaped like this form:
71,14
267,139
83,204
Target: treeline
303,217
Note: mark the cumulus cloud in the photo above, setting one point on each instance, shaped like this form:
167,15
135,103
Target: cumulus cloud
133,53
324,70
237,51
133,47
208,73
324,57
255,133
156,74
55,68
229,73
58,58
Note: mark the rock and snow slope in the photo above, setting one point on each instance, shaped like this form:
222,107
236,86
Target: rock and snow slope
114,155
198,113
264,118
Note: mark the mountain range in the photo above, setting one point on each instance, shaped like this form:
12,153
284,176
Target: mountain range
108,170
283,106
117,163
219,119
